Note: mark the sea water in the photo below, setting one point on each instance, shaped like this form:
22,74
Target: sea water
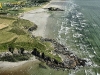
78,28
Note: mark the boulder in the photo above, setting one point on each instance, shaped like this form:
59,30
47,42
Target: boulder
32,28
15,52
35,52
43,56
82,62
11,49
55,62
22,50
47,58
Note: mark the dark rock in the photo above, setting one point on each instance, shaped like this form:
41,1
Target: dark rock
22,50
55,61
43,56
32,28
47,58
54,9
82,62
35,52
38,54
11,49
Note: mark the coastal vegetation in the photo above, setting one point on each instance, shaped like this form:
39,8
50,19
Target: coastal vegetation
16,34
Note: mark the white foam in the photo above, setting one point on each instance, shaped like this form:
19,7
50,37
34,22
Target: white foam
98,74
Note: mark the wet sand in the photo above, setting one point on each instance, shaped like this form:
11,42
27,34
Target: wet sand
39,17
17,68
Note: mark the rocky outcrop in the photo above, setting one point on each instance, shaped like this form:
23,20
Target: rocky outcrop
54,9
70,60
36,53
32,28
15,55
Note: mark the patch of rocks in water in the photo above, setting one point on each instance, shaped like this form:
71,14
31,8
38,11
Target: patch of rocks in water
54,9
70,60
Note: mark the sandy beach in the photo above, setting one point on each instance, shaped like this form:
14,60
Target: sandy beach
7,65
17,68
39,17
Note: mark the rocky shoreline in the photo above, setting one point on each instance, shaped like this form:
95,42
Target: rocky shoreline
69,59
